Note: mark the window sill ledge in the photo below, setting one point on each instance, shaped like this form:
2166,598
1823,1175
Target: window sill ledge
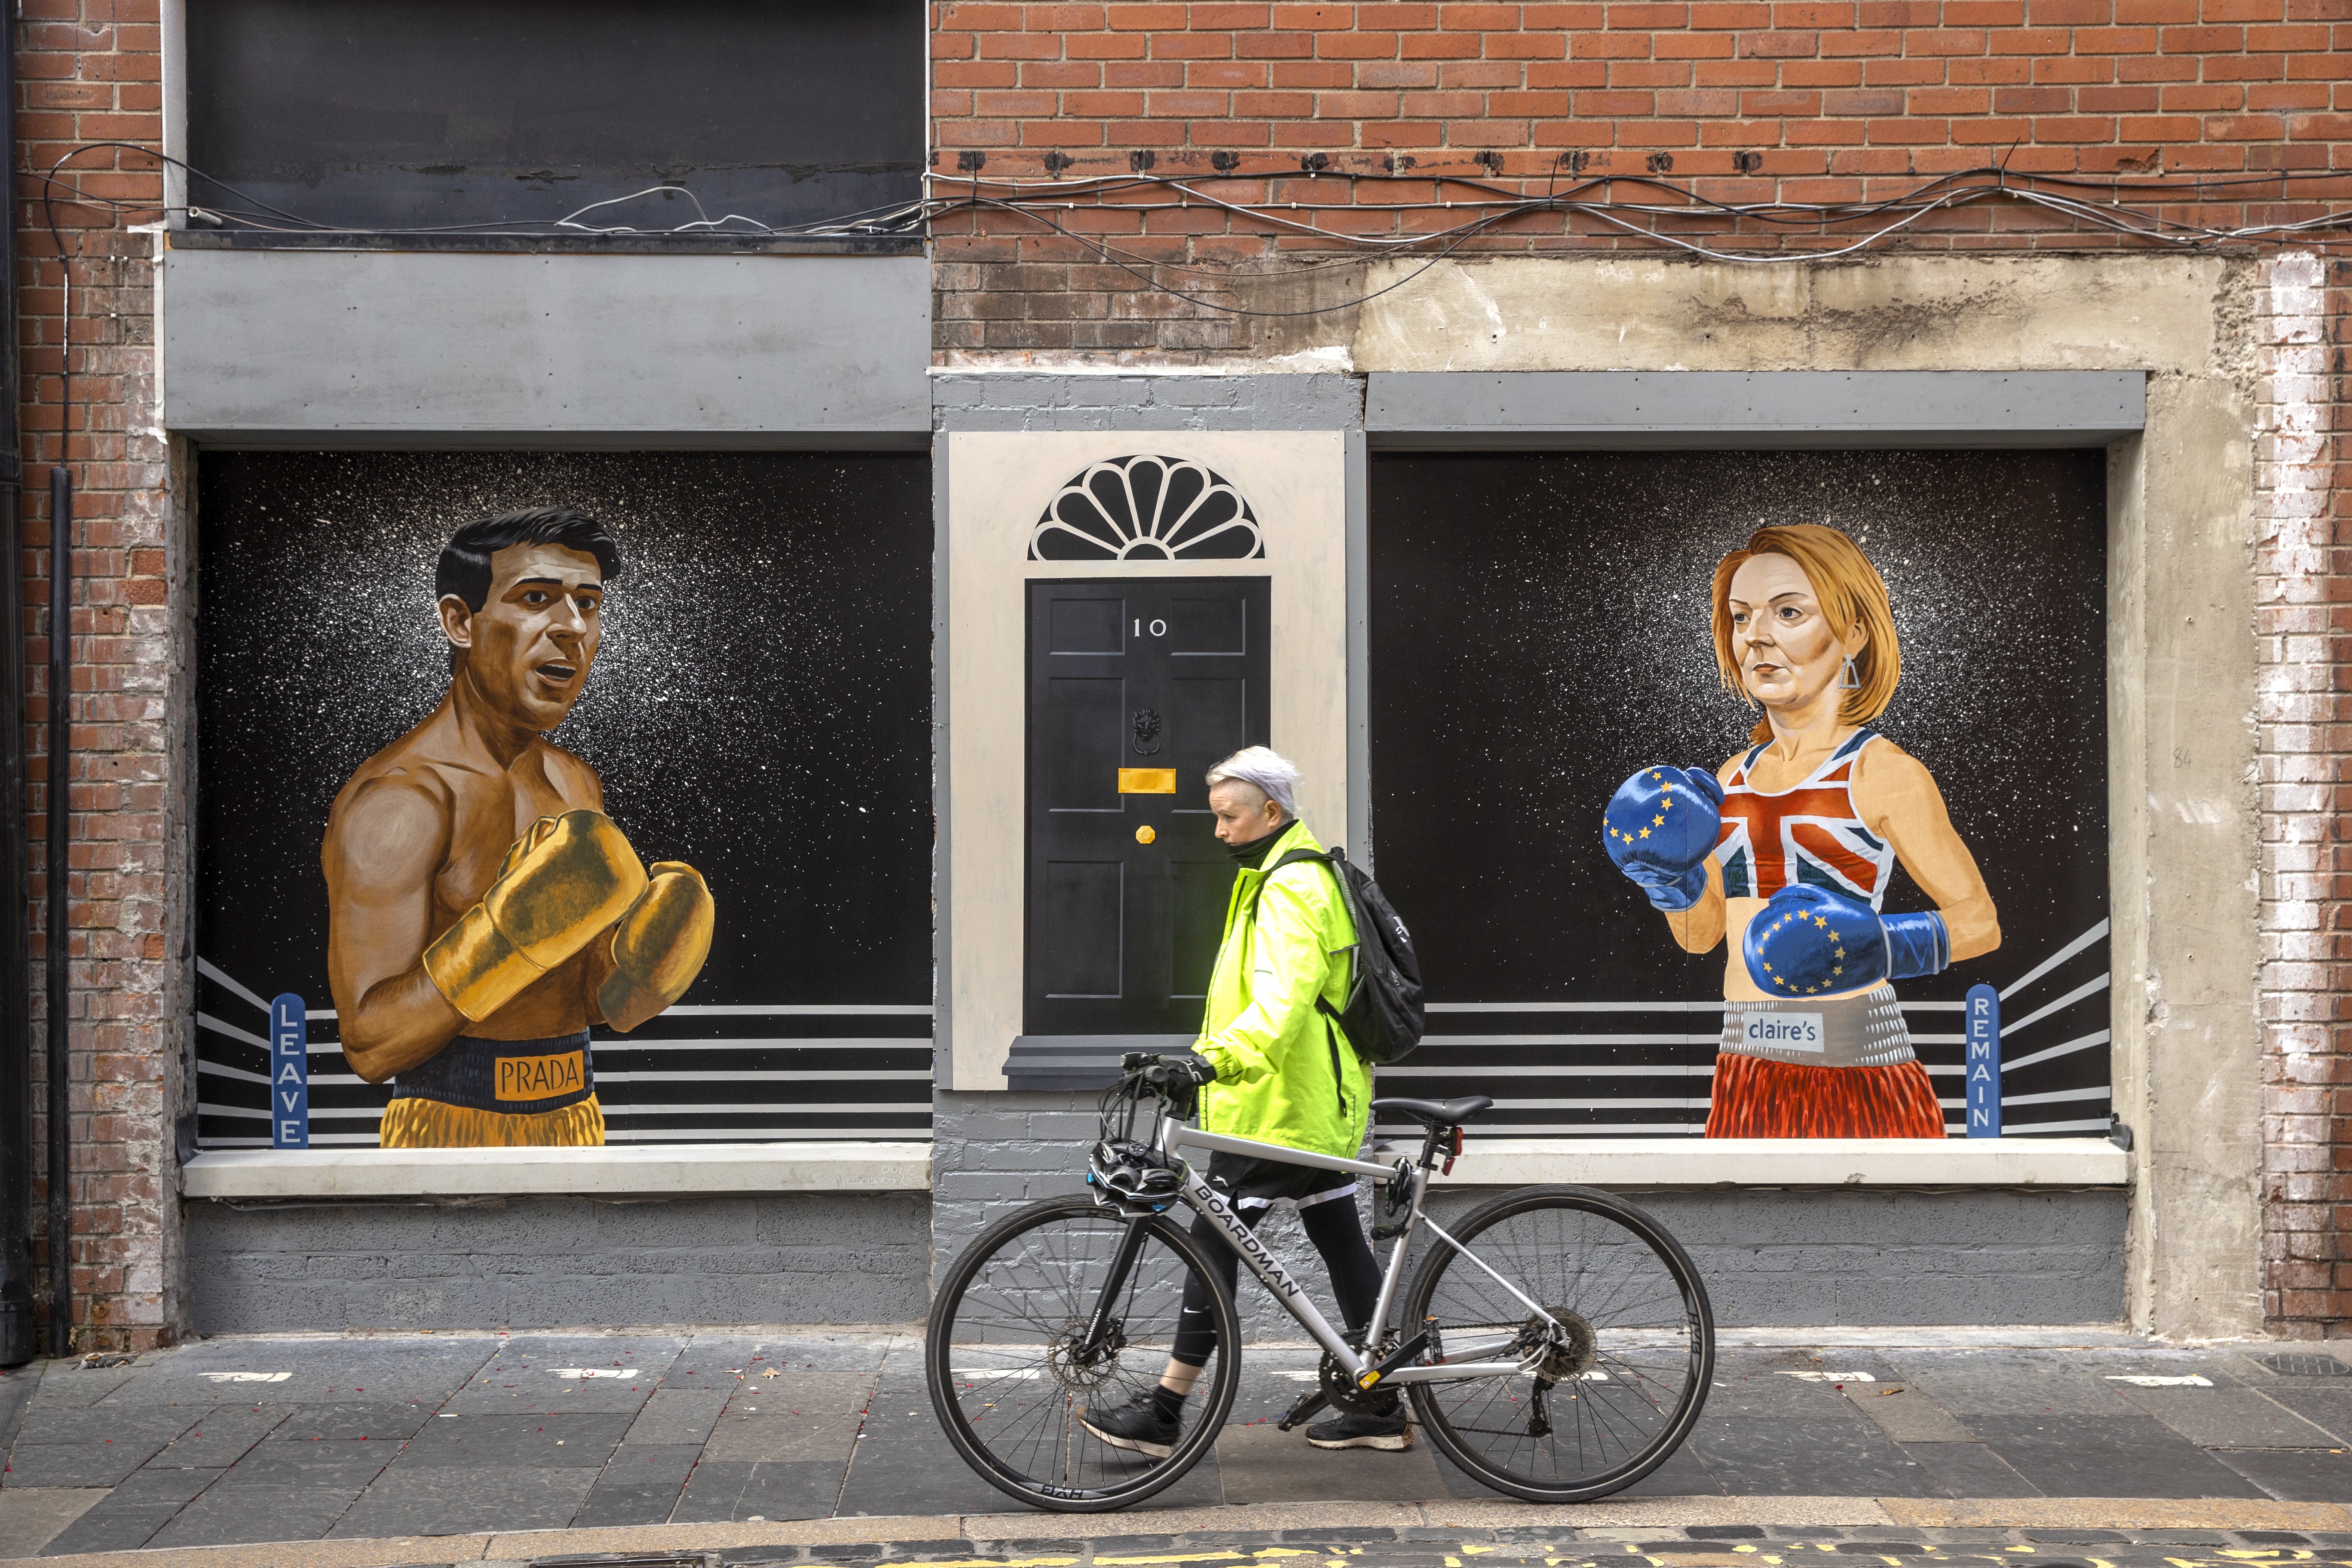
634,1170
1791,1163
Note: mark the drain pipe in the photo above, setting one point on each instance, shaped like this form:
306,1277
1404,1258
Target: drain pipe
61,813
18,1341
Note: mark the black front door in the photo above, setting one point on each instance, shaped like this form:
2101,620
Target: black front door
1137,688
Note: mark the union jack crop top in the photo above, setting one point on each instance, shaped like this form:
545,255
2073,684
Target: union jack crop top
1808,832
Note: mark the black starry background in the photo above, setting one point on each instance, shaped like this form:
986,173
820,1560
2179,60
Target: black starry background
760,706
1540,628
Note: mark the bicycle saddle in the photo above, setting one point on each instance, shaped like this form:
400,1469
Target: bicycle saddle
1437,1112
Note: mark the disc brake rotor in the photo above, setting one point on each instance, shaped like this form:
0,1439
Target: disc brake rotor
1083,1375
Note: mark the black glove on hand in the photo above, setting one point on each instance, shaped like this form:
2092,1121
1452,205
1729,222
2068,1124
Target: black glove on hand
1190,1070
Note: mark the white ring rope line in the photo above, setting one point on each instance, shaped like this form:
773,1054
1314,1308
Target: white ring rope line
2055,959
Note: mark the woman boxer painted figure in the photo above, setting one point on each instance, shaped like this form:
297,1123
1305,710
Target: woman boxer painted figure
1785,852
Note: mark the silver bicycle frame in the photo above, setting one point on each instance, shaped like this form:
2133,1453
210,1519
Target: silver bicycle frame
1203,1198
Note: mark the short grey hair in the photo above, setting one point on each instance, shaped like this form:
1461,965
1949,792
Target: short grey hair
1274,775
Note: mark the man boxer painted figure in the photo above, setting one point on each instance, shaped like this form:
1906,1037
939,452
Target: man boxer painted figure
483,911
1784,853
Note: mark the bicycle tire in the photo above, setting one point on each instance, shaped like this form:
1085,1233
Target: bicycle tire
1635,1390
1001,1294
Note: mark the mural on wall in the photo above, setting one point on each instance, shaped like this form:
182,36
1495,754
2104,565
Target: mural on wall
1549,631
556,824
1783,855
467,962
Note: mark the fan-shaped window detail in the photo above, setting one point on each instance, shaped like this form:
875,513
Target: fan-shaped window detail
1146,508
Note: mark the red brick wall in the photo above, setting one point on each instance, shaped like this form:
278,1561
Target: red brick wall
89,70
2305,618
1749,100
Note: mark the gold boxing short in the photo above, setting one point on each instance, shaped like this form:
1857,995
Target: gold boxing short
486,1094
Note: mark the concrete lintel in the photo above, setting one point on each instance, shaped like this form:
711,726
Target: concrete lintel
1066,401
509,349
637,1170
1735,409
1793,1163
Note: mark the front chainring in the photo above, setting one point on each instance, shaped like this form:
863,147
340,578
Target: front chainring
1340,1390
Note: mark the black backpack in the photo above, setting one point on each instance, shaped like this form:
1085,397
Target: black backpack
1384,1018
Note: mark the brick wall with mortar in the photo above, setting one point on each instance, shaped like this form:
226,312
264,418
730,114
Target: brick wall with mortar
2302,513
89,70
1743,101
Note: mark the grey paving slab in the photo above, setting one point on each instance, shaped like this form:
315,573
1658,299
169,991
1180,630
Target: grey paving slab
1969,1383
1906,1413
315,1371
2229,1417
271,1513
327,1465
220,1436
16,1386
1970,1469
1807,1458
541,1372
673,1416
2294,1475
2325,1406
447,1501
1261,1464
76,1464
130,1515
2130,1455
69,1385
639,1487
735,1489
1782,1383
847,1352
31,1517
518,1442
805,1415
350,1422
153,1425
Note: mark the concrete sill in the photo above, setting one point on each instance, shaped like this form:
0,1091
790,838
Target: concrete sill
1793,1163
634,1170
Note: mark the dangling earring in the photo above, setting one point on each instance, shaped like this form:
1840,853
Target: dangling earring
1849,680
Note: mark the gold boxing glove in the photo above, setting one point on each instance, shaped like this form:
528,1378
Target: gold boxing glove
658,947
567,878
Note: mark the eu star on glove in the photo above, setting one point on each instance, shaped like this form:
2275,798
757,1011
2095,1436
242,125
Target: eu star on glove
1811,941
1660,827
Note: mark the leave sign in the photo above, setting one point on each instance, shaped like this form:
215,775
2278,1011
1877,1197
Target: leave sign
289,1073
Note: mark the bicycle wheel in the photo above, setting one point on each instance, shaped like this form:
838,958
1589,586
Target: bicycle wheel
1013,1356
1609,1392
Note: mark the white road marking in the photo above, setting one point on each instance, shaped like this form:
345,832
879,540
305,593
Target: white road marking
245,1376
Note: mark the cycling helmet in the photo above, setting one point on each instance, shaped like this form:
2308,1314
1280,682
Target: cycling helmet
1129,1173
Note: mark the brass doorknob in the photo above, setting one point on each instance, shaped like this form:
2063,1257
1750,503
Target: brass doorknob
1144,835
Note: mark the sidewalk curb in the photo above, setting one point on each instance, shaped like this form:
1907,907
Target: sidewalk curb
1641,1513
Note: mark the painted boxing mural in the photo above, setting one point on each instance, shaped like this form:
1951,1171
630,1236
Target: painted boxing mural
1781,856
1760,778
561,799
483,909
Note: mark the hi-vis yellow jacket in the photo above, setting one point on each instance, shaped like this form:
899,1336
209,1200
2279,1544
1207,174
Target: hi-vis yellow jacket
1286,1072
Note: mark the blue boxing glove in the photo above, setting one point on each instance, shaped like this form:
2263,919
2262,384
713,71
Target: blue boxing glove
1660,827
1807,940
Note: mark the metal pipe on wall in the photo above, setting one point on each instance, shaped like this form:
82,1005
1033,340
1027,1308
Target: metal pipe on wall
18,1342
59,812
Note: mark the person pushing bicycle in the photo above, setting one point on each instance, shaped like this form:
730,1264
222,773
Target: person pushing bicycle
1273,1064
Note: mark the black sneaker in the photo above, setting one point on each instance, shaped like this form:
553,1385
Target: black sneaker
1388,1429
1136,1427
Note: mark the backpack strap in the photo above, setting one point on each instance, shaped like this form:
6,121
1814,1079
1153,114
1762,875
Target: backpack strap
1328,860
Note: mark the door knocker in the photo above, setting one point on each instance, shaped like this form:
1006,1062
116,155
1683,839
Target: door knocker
1147,731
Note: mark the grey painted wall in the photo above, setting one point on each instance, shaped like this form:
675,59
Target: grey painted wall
1047,400
1770,1257
817,1257
315,348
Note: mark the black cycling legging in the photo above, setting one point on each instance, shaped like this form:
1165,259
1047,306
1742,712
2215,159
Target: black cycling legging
1337,1235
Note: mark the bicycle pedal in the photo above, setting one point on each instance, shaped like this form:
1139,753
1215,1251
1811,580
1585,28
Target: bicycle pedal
1388,1232
1300,1411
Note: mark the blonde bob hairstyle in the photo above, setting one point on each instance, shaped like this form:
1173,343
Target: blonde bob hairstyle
1850,591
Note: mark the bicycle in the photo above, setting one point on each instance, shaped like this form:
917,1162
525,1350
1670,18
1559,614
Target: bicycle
1576,1290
